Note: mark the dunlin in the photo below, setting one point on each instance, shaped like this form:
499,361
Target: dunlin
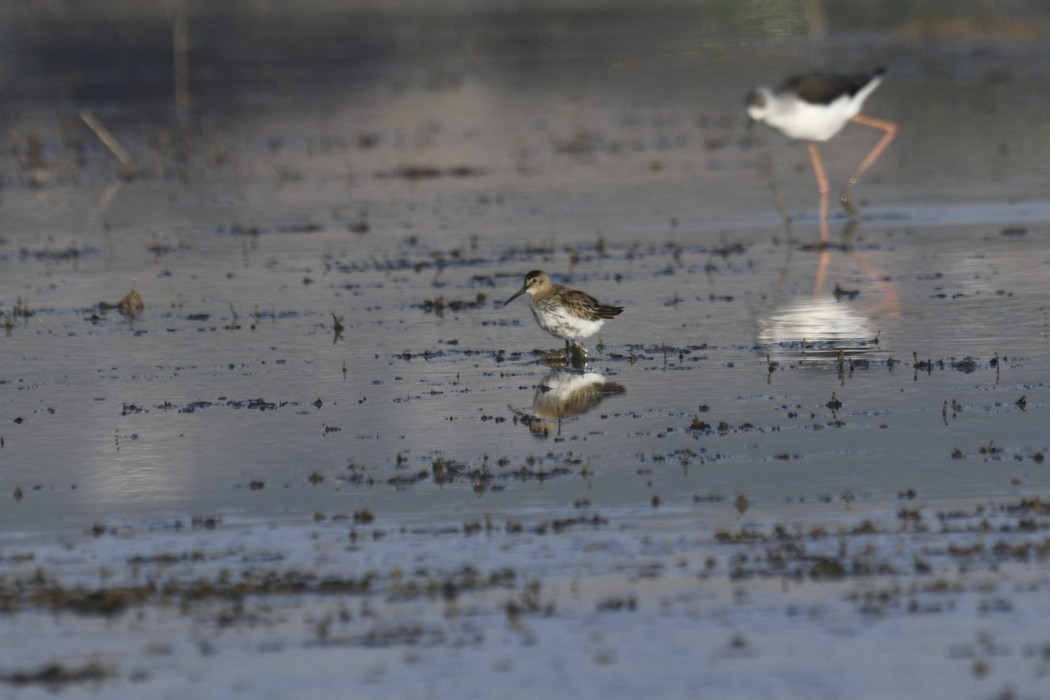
565,313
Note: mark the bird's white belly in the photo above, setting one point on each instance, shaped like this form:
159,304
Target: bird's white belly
566,326
800,120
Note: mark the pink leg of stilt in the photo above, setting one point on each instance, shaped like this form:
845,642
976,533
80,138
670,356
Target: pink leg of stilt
822,271
891,297
822,187
890,130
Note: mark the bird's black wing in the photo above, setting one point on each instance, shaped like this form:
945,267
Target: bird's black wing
825,88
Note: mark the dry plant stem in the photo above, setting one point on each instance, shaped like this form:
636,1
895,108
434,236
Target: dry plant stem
107,138
180,59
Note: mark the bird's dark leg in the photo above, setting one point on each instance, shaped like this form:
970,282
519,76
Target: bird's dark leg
575,355
890,130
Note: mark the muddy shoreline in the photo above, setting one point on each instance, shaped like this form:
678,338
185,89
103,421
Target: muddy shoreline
262,408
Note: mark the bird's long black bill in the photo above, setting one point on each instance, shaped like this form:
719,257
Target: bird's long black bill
516,295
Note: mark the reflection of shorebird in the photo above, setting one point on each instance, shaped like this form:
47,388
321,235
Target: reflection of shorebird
814,108
564,394
565,313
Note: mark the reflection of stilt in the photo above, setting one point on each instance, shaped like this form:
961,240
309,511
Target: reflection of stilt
817,329
822,271
825,255
829,325
891,298
888,290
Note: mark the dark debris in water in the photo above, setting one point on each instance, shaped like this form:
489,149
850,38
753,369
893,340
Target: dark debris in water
721,428
56,255
130,306
259,404
455,352
108,601
304,227
440,305
858,550
482,477
848,294
429,172
927,547
966,365
992,452
56,676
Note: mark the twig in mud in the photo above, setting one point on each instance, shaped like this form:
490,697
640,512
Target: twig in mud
109,193
107,138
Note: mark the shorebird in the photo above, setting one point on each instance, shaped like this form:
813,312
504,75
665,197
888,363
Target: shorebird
814,108
565,313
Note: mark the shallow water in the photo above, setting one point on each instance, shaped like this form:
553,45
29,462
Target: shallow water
401,186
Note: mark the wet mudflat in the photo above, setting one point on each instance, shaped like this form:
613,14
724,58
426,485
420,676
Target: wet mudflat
261,400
